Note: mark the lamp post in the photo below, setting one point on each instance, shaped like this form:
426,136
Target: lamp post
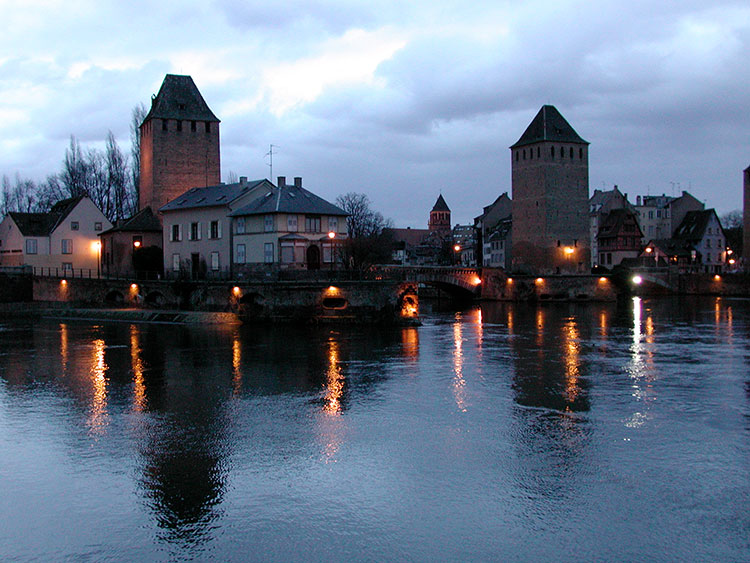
331,236
98,247
457,250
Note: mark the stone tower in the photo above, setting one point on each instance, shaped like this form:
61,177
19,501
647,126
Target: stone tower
550,192
179,143
440,217
746,221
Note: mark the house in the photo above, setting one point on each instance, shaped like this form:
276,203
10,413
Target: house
288,227
672,253
133,247
464,244
619,237
430,246
660,215
197,235
497,247
702,230
600,204
491,217
63,240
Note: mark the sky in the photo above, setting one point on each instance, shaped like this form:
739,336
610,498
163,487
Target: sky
399,100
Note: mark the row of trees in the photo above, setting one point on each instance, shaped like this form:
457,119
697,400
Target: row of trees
109,177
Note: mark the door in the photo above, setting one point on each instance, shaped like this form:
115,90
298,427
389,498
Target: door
313,257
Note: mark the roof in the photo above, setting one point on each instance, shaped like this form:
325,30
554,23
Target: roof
694,224
143,221
42,224
549,125
440,204
615,220
412,237
289,199
671,246
212,196
179,98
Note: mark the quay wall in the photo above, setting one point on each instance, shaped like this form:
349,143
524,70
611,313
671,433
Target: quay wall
498,286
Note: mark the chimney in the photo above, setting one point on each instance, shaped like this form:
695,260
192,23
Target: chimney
297,181
243,180
638,200
281,181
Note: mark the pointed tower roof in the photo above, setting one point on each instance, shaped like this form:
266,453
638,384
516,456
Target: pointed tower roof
440,204
179,98
549,125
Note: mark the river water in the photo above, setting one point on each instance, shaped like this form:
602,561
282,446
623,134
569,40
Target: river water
508,432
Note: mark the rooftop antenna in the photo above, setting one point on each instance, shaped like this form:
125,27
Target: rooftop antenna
270,155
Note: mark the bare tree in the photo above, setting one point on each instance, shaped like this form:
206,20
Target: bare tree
369,240
732,219
136,118
232,177
116,165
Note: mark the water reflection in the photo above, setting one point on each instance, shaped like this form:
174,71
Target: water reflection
136,364
98,412
459,383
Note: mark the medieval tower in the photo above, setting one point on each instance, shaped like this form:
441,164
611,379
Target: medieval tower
746,220
550,191
440,217
179,143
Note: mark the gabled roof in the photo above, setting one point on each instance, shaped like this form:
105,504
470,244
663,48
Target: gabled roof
211,196
289,199
671,247
549,125
694,225
614,222
42,224
179,98
440,204
143,221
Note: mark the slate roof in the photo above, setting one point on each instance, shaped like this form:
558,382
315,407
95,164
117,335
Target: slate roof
289,199
614,222
42,224
440,204
179,98
143,221
549,125
211,196
694,225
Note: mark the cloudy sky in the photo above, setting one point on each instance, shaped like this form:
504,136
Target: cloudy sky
399,100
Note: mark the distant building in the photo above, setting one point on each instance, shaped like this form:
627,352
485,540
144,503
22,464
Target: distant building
289,227
600,204
619,238
133,246
550,186
179,143
464,245
498,245
746,220
63,240
440,217
703,231
197,236
425,247
486,223
660,215
671,253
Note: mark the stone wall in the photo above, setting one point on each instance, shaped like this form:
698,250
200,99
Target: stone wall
497,285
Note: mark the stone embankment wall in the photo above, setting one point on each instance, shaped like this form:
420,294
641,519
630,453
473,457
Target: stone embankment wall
15,289
497,285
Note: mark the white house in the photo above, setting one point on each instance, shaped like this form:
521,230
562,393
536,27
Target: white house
63,240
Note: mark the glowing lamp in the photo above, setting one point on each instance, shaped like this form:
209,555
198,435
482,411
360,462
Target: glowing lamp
539,281
649,250
732,260
236,290
331,235
717,277
133,287
63,282
136,244
457,247
602,280
509,280
95,246
476,280
637,280
569,250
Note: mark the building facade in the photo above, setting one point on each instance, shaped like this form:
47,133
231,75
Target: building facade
600,204
619,238
550,191
703,230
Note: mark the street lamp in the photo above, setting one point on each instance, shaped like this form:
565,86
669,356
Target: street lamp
97,245
331,236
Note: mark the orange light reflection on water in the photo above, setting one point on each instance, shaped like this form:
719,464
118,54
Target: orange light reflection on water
136,364
98,415
459,383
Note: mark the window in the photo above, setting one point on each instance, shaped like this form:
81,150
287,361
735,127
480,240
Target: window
176,262
31,246
195,231
571,152
192,126
214,261
312,224
240,254
179,125
538,152
240,225
268,253
562,152
580,154
176,234
333,224
74,225
287,254
215,230
67,246
708,243
67,266
268,223
517,153
524,154
163,124
291,223
552,152
208,126
97,226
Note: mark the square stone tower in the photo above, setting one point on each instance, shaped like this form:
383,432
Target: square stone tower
746,221
179,143
550,192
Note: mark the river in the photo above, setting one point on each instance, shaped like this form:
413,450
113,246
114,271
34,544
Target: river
558,432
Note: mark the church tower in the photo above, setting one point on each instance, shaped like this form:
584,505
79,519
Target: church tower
550,191
179,144
440,217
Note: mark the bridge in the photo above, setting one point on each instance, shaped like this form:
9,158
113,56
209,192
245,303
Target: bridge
457,281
